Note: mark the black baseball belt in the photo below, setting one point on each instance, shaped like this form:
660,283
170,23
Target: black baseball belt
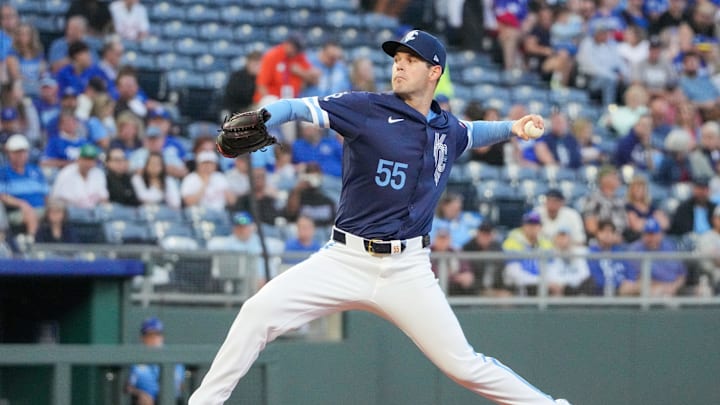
377,246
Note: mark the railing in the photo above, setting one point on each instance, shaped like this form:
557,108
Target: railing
230,278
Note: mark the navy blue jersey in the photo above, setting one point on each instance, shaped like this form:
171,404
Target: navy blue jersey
395,162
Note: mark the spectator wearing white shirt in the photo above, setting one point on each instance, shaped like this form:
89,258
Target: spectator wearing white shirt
130,19
82,184
153,185
206,186
568,274
556,215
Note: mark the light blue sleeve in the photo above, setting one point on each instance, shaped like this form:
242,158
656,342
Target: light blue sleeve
484,133
303,109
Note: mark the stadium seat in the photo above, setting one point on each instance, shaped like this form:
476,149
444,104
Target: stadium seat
271,16
199,103
162,229
197,129
177,29
199,13
553,175
204,230
533,189
57,7
681,191
305,17
337,5
153,82
181,79
515,174
151,213
279,33
223,49
316,36
480,172
485,91
235,14
27,7
214,31
154,44
139,60
352,37
341,19
190,46
468,191
127,232
83,215
208,63
165,10
568,94
248,33
375,21
179,243
198,214
216,80
173,61
523,93
300,4
113,211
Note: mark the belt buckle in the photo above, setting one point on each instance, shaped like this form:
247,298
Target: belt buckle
370,247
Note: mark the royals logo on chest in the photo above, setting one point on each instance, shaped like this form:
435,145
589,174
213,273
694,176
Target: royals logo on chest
440,150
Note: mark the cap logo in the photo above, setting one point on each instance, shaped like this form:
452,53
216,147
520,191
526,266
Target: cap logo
410,36
436,59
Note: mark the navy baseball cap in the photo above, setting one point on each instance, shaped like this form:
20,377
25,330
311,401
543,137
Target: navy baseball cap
651,226
242,218
151,325
532,217
425,45
159,112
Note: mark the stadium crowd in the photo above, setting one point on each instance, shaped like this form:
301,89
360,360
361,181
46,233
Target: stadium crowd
78,132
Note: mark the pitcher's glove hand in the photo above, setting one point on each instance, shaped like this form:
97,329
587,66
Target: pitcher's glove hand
244,133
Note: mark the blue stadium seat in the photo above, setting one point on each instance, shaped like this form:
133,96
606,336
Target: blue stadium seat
205,230
176,29
26,7
278,33
265,3
337,5
223,49
538,107
566,95
484,91
173,61
83,215
181,78
658,192
190,46
270,16
45,23
298,4
162,229
214,31
305,17
151,213
127,232
237,15
481,172
209,62
468,191
197,129
155,44
502,105
199,13
248,33
316,36
165,10
57,7
199,214
515,174
351,37
139,60
553,175
341,19
179,243
522,93
113,211
532,189
374,21
473,75
216,80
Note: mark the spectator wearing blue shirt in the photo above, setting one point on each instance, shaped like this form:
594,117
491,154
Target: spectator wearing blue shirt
559,147
334,73
144,380
159,139
450,216
23,187
8,23
64,148
47,104
75,30
699,88
323,148
81,69
636,147
608,274
667,276
26,61
304,242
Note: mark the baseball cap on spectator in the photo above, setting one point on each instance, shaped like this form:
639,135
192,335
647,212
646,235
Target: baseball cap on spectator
486,226
159,112
242,218
206,156
601,25
531,217
701,181
651,226
151,325
298,40
655,42
89,151
68,91
153,131
17,142
423,44
77,47
9,114
555,193
48,82
562,230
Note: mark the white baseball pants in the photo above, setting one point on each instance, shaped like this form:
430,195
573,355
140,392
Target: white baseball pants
400,288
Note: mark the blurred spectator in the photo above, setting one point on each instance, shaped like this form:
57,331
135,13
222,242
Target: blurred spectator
511,22
155,141
81,70
450,216
608,273
694,214
667,275
362,75
308,199
63,149
565,32
130,19
655,73
207,187
111,57
8,24
567,271
68,102
494,154
675,15
516,152
524,274
636,147
54,226
604,204
23,187
95,12
488,273
144,379
82,184
558,147
702,18
461,280
622,118
304,242
207,143
130,130
334,73
9,123
699,88
394,8
640,208
708,150
153,186
130,95
537,45
101,125
284,177
661,122
119,187
238,177
47,104
556,215
264,197
314,145
604,77
634,48
241,85
590,151
675,165
26,61
284,70
244,239
687,118
709,244
24,118
634,15
75,30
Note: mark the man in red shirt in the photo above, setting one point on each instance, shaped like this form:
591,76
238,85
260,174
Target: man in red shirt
284,70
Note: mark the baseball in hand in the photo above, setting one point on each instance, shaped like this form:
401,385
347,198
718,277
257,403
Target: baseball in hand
532,131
